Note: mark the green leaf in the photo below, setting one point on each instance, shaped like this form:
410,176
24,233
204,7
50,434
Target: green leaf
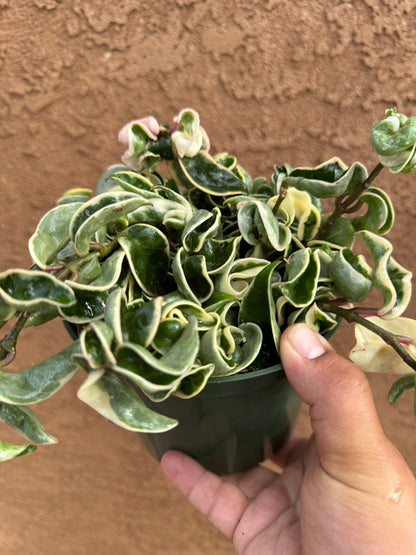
258,306
351,275
203,172
29,290
52,234
111,397
98,212
167,334
408,381
39,381
148,252
135,322
26,423
10,451
302,277
341,233
90,304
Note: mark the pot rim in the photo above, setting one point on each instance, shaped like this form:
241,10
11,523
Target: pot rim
278,367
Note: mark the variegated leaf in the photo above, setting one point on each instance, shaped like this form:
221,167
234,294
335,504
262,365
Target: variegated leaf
258,224
130,181
302,277
111,397
40,381
258,306
98,212
199,228
203,172
148,252
194,381
29,290
379,217
110,272
96,341
26,423
89,305
191,276
135,322
238,276
389,277
351,275
52,234
154,375
177,307
10,450
328,180
219,254
211,350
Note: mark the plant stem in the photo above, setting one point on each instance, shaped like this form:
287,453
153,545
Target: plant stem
389,338
345,202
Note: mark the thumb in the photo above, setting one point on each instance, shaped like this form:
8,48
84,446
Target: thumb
349,436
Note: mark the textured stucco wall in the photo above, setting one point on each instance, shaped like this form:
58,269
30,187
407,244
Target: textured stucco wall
274,81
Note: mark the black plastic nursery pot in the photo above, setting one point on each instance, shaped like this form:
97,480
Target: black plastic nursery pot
233,424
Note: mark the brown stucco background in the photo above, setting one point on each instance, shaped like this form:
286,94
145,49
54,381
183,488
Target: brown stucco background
274,81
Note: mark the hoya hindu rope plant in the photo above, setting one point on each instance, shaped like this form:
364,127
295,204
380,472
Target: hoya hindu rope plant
178,275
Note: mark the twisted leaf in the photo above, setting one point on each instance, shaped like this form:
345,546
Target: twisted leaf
98,212
238,276
389,277
351,275
379,217
110,272
147,251
302,277
199,228
215,348
191,276
29,290
96,343
328,180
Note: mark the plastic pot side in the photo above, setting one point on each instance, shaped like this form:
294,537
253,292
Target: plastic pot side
233,424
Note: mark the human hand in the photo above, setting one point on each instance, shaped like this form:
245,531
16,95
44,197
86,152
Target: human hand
346,490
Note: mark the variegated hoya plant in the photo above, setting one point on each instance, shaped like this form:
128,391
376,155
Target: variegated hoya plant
182,267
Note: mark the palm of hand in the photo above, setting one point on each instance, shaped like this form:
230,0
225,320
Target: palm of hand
302,510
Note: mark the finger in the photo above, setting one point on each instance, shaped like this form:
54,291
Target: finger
343,416
253,481
222,503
